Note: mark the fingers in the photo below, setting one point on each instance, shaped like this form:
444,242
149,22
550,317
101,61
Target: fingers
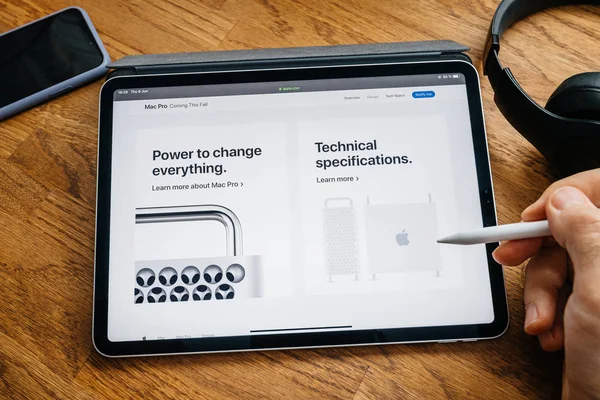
587,182
554,339
536,211
545,276
516,252
575,224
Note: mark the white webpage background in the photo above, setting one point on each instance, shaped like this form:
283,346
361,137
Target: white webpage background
278,209
425,142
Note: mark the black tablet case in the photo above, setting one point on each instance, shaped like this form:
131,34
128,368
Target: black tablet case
293,57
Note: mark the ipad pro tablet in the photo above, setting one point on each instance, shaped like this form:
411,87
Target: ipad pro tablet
287,208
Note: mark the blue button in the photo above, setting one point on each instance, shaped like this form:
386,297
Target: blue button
423,94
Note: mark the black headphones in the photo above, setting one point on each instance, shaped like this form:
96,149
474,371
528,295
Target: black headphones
567,130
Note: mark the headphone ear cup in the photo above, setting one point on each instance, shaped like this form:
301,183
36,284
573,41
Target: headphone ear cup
577,97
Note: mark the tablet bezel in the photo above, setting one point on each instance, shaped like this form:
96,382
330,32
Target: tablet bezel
291,340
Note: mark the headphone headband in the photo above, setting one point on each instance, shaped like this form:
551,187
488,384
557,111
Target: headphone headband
545,130
511,11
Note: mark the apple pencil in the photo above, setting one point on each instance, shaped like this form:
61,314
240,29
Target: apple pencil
521,230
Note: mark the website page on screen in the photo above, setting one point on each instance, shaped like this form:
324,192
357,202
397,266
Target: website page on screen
307,206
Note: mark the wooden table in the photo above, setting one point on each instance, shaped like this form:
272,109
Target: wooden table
47,194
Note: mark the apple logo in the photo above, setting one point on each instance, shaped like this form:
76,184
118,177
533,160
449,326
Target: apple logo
402,238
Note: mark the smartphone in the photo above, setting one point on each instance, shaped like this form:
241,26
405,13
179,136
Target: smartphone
48,57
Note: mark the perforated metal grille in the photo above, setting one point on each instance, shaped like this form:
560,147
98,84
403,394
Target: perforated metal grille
208,282
340,241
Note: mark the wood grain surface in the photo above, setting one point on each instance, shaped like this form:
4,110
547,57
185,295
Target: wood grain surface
47,191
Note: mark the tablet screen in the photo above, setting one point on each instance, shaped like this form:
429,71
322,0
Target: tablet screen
293,207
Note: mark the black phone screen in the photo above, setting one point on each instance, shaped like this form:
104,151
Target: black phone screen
45,53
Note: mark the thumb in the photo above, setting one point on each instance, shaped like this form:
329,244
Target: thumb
575,224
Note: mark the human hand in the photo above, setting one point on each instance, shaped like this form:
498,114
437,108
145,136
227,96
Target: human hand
562,281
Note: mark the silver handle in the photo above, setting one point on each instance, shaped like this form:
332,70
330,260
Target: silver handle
209,212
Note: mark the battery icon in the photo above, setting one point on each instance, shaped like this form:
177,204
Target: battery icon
455,76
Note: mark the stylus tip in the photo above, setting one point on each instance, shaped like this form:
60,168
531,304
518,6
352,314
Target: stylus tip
446,240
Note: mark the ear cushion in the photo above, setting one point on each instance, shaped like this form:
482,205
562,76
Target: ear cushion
578,154
577,97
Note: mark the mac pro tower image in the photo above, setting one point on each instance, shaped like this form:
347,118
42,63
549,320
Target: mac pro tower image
402,238
227,277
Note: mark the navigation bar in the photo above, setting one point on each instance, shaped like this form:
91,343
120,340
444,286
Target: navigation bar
285,87
297,100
